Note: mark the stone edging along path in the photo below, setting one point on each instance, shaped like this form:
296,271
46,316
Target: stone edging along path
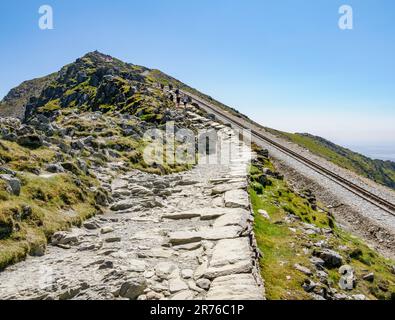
182,236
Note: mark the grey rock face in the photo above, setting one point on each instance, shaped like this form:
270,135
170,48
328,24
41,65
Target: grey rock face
132,288
331,258
54,168
33,141
13,183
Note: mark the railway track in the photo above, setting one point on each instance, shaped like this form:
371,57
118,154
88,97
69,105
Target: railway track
368,196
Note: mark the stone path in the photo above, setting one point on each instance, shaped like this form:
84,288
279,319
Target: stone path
182,236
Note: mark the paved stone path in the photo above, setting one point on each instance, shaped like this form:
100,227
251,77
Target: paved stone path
182,236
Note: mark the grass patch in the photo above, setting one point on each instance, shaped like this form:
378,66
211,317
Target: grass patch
380,171
45,205
284,243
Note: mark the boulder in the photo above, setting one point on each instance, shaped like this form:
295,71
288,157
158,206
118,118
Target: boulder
203,283
369,277
220,189
106,229
33,141
63,238
317,262
180,215
102,198
122,205
91,225
38,250
135,265
54,168
6,228
113,239
133,288
13,183
69,166
331,258
309,285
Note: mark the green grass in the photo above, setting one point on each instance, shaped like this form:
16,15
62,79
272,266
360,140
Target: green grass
380,171
51,105
24,159
45,205
55,203
282,248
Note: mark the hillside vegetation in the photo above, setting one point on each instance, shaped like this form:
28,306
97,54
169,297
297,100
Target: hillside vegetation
380,171
303,249
76,122
125,88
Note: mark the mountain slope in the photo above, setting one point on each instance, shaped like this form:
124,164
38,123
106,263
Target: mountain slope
75,156
78,123
13,104
99,82
380,171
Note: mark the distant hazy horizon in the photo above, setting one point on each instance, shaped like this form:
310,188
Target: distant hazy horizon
376,152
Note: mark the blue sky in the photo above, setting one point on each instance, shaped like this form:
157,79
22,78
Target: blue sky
284,63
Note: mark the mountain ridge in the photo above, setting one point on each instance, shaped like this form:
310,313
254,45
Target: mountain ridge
101,82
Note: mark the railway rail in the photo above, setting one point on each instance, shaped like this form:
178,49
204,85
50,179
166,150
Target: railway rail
368,196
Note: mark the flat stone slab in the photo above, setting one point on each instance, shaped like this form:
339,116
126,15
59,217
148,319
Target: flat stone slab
203,213
122,205
184,237
227,187
235,287
236,199
228,232
243,266
230,251
238,217
205,233
180,215
155,253
136,265
212,213
230,256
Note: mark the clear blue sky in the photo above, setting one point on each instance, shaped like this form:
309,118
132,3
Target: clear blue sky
285,63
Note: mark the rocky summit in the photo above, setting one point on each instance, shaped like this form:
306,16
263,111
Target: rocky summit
115,185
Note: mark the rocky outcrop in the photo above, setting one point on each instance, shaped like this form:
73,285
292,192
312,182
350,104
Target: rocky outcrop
181,236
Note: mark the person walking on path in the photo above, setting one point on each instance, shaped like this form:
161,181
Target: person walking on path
185,101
